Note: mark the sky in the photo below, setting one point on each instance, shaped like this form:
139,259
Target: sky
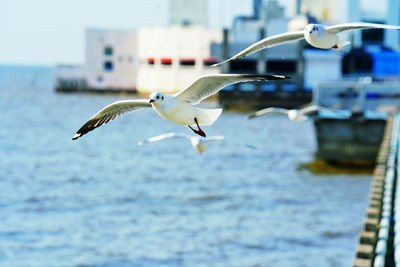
49,32
52,31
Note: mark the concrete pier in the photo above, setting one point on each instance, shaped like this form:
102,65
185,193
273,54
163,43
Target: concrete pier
346,139
377,244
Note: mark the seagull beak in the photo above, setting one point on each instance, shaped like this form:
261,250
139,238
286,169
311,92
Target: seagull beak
151,101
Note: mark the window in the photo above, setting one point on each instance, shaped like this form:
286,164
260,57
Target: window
108,66
187,62
210,61
108,50
282,66
374,36
166,61
244,66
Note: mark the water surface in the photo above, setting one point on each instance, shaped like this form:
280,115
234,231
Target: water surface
104,201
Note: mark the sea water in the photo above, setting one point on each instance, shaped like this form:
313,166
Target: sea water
102,200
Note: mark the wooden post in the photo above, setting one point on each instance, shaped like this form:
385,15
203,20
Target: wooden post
261,61
225,51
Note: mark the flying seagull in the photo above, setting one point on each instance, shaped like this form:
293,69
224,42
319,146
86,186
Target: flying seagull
317,35
293,114
179,108
198,143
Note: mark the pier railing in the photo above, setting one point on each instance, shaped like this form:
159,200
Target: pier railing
379,243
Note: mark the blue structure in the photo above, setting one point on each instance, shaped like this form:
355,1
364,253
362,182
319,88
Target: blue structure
373,60
385,62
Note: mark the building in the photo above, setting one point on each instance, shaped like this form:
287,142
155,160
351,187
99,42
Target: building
165,59
111,59
172,58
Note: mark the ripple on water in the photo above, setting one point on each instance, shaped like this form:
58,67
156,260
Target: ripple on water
104,201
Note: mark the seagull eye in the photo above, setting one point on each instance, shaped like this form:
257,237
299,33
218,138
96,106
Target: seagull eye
158,97
162,98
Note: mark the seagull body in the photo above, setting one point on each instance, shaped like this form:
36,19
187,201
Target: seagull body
317,35
198,143
179,108
183,112
296,115
323,37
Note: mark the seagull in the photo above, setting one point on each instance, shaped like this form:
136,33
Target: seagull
179,108
317,35
293,114
198,143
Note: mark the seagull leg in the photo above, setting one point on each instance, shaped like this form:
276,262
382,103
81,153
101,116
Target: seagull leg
199,131
335,46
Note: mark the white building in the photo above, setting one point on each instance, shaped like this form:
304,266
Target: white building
172,58
111,59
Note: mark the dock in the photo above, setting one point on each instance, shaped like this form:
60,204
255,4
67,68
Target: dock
379,240
352,130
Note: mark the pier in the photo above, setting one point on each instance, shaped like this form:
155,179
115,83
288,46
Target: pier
354,131
379,243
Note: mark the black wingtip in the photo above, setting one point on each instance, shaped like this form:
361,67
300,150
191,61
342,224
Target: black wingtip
266,76
76,136
279,77
220,63
250,116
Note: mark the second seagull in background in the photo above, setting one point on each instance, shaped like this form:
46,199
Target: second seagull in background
317,35
198,143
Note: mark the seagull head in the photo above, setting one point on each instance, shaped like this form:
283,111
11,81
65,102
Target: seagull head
156,98
293,114
296,115
314,29
198,144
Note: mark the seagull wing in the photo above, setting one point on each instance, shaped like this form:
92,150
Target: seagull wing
109,113
359,25
267,111
162,137
214,138
309,110
265,43
208,85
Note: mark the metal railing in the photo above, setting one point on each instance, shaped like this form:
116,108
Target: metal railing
385,248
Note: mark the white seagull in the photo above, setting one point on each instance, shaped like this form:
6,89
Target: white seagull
198,143
179,108
317,35
293,114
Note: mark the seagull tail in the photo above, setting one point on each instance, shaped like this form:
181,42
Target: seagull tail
207,116
342,43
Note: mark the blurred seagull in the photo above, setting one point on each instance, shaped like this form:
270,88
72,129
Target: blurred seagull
179,108
293,114
317,35
198,143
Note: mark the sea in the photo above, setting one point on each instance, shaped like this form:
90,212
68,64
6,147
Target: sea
102,200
